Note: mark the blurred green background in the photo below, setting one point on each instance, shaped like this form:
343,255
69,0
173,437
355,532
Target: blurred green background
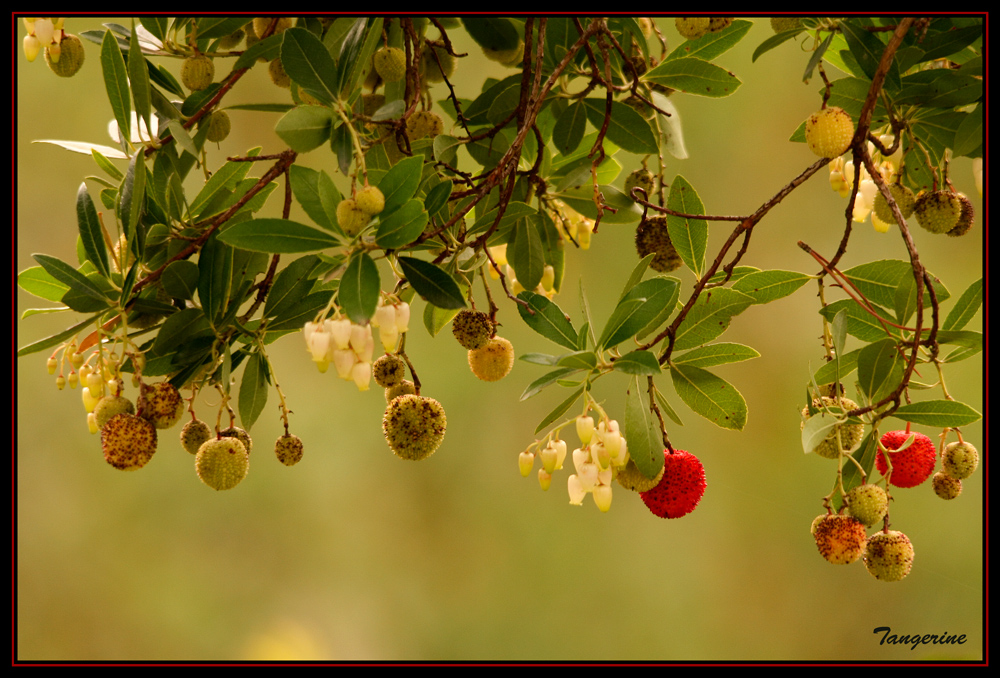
355,554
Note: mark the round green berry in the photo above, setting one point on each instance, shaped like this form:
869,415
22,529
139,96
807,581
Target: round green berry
240,434
868,504
195,434
424,124
850,434
493,361
904,199
414,426
161,404
70,56
436,69
780,24
219,126
959,460
222,463
965,217
829,132
197,72
109,406
352,219
405,387
390,63
640,178
651,237
128,441
370,200
939,211
889,556
693,27
631,478
279,77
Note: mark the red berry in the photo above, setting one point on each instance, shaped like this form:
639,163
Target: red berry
680,489
911,466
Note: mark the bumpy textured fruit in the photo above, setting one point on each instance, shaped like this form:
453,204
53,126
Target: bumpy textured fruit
651,237
414,426
904,199
631,478
717,23
436,70
424,124
405,387
195,434
197,72
641,178
493,361
239,434
780,24
128,442
889,556
370,200
965,217
681,487
959,460
222,463
472,329
389,370
829,132
279,77
850,434
390,63
261,23
945,486
288,448
693,27
507,57
231,41
868,504
839,538
938,212
71,56
161,404
109,406
351,217
219,126
911,466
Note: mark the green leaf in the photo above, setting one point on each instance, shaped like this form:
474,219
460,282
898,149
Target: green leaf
116,83
253,390
767,286
436,318
859,322
106,165
636,309
715,354
307,62
636,275
55,339
642,431
773,42
689,236
638,362
879,280
560,409
867,51
359,288
90,231
525,253
356,58
970,133
544,381
69,276
180,279
569,128
305,127
579,360
291,284
710,396
714,43
306,189
709,317
180,329
219,187
404,225
694,76
215,277
938,413
132,193
276,236
880,369
815,430
432,283
965,308
836,370
400,183
627,128
493,33
39,282
546,318
138,76
667,409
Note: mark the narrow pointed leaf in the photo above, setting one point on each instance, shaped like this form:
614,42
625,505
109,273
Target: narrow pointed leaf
116,82
938,413
546,318
359,288
69,276
642,431
638,363
253,390
402,226
710,396
276,235
90,231
307,62
689,236
434,284
560,410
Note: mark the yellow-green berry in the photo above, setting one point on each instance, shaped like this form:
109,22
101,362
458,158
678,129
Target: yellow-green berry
424,124
219,126
436,69
850,434
493,361
261,23
903,197
405,387
352,219
222,463
128,441
239,434
288,448
414,426
889,555
279,77
945,486
959,460
651,237
109,406
829,132
640,178
631,478
161,404
195,434
197,72
70,56
389,370
232,40
717,23
472,329
370,200
780,24
390,63
868,504
693,27
939,211
965,217
840,539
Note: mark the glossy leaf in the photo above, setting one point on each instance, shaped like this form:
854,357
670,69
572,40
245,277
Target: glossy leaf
710,396
694,76
767,286
546,318
253,390
308,63
359,289
276,235
709,317
434,284
116,82
90,231
305,127
642,431
638,363
715,354
689,236
402,226
938,413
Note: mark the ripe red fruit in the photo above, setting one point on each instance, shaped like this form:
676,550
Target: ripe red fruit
911,466
680,489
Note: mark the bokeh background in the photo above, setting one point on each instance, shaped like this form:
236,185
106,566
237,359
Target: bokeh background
356,555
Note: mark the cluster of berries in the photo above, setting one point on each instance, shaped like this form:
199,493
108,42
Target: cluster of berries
64,53
353,214
491,358
351,347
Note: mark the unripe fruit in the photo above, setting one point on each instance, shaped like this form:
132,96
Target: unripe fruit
219,126
71,56
197,72
911,466
631,478
965,218
390,63
472,329
404,387
128,441
260,25
717,23
651,237
222,463
840,539
780,24
370,200
436,69
868,504
424,124
231,41
889,555
945,486
693,27
161,404
493,361
959,460
938,212
109,406
641,178
681,487
288,448
850,434
904,199
278,75
414,426
239,434
829,132
195,434
351,217
389,370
